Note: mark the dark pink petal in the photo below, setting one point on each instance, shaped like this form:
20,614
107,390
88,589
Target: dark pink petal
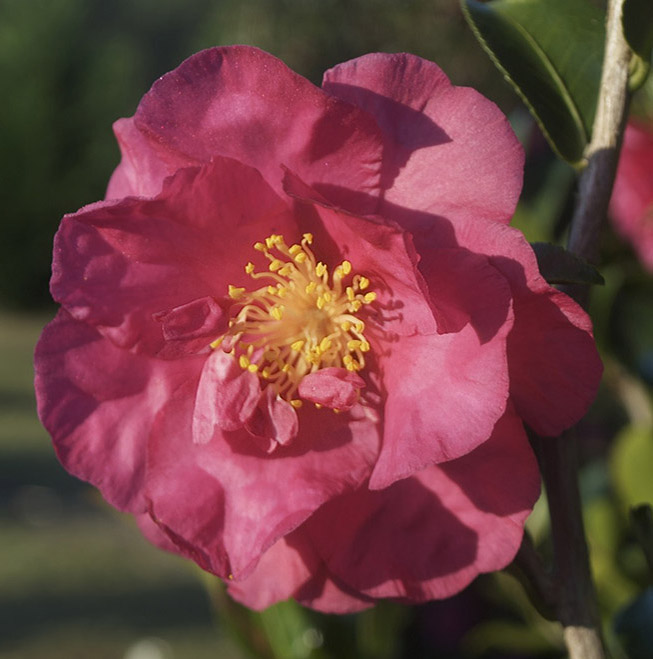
117,264
226,397
99,403
555,368
444,394
380,251
428,536
449,151
335,388
190,328
246,104
292,568
631,205
145,163
274,421
225,502
465,288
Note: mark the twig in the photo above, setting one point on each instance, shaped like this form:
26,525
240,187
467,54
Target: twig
577,608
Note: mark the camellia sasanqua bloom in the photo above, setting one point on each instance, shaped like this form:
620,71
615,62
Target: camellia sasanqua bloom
631,205
299,340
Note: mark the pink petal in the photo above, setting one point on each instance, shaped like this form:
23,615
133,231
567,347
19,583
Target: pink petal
99,402
226,397
117,264
444,394
145,163
555,368
274,421
225,502
631,205
335,388
292,568
191,327
449,151
243,103
428,536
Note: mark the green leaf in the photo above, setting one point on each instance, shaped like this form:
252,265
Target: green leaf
558,266
551,51
637,21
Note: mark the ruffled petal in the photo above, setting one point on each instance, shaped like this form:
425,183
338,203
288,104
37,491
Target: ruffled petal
243,103
444,394
555,368
117,264
292,568
224,503
99,402
335,388
449,151
428,536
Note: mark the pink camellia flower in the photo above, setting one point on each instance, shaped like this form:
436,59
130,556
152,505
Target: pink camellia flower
631,205
299,339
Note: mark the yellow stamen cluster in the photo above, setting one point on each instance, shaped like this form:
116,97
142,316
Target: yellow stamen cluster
300,320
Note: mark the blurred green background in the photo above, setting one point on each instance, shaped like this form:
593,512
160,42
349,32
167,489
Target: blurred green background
76,578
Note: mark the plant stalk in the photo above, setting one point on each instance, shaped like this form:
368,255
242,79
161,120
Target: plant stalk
576,605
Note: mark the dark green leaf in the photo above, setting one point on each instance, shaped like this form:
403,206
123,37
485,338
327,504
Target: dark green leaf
637,21
551,51
558,266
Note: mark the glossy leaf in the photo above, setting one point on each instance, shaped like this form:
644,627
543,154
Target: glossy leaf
558,266
551,51
637,21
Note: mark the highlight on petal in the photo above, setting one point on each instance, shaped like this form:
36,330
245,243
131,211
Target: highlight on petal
449,151
226,397
335,388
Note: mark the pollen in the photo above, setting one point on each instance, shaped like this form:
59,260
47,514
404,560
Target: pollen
297,319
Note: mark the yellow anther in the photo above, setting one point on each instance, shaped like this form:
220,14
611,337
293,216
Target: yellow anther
365,346
346,267
265,373
216,343
353,344
310,287
320,269
296,403
272,290
249,268
294,249
308,237
275,265
369,297
260,247
327,296
286,270
356,305
317,406
359,326
252,368
276,312
297,345
363,283
235,292
325,344
286,368
350,293
243,361
319,303
281,291
346,326
301,257
273,240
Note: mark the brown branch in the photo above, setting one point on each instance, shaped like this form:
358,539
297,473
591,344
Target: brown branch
576,605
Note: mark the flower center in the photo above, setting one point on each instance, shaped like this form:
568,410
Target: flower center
300,320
